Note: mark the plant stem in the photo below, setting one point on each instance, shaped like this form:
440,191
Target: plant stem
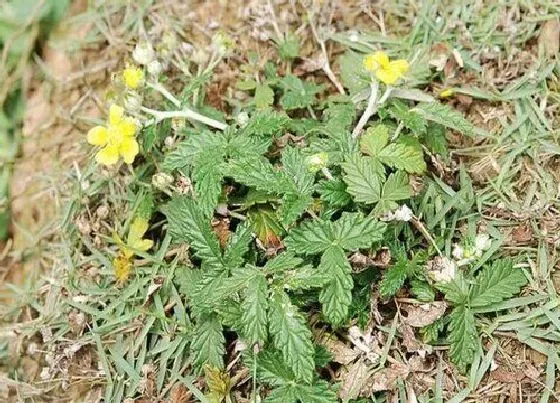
370,110
167,95
326,171
187,114
373,104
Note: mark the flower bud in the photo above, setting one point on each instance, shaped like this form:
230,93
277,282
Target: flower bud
162,181
243,119
316,162
442,269
143,53
169,141
132,102
154,67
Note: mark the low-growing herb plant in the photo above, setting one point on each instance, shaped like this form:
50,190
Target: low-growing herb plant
273,200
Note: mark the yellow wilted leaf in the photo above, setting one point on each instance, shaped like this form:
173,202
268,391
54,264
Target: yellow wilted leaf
219,383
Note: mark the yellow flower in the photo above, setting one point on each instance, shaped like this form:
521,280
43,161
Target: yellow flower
447,93
385,70
116,139
133,77
134,241
123,266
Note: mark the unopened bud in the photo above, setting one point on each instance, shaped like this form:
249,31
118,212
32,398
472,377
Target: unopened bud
162,180
316,162
143,53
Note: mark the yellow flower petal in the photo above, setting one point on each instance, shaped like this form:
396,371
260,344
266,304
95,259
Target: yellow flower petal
137,229
108,155
143,244
128,127
447,93
115,114
387,76
129,149
123,267
375,61
133,77
400,65
97,136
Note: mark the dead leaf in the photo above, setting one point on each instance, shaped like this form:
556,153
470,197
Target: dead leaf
353,380
521,234
341,352
424,314
409,339
157,283
549,38
386,378
506,376
221,228
180,394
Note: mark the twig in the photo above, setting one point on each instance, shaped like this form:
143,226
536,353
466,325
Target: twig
274,22
187,114
326,66
420,227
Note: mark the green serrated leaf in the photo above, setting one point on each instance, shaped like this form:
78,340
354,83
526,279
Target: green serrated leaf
352,231
293,206
304,278
336,296
297,93
363,176
230,313
374,140
291,336
463,337
238,245
288,49
403,156
187,223
394,279
207,345
313,236
422,291
295,167
207,177
242,146
258,173
396,188
319,392
334,192
254,307
282,394
435,139
188,150
272,369
412,120
445,116
264,96
283,261
456,291
338,120
496,283
246,85
266,123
